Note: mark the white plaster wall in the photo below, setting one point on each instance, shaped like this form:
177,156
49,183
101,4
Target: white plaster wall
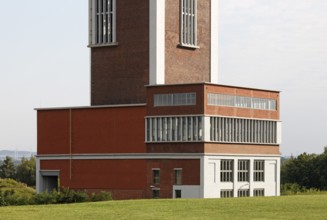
214,52
39,182
157,42
211,176
188,192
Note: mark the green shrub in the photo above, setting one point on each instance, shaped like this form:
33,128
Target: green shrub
101,196
71,196
296,189
46,198
9,197
15,193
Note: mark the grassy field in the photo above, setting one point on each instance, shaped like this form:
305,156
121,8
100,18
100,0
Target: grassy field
286,207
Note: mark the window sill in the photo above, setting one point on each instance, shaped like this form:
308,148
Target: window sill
114,44
188,46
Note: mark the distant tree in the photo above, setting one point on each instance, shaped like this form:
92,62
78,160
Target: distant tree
26,171
7,168
306,170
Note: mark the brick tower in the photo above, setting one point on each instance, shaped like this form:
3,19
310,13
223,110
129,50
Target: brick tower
159,124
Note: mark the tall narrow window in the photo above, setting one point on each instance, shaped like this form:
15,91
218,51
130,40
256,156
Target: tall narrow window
243,170
178,193
178,177
226,173
155,193
188,23
102,22
155,176
259,171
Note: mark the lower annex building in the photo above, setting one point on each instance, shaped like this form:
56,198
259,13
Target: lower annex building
197,140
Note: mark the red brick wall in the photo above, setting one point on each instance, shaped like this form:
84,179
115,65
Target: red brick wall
241,112
175,110
184,65
190,175
241,148
97,130
119,73
53,132
202,107
126,179
181,147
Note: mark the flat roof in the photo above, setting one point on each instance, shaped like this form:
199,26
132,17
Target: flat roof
213,84
91,107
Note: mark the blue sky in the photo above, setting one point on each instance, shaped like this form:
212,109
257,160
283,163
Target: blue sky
279,45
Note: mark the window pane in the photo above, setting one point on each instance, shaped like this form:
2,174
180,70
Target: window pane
102,22
156,176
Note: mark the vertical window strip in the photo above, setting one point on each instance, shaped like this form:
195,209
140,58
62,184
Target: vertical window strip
258,192
188,22
166,129
226,193
234,130
102,20
155,176
178,176
243,193
226,170
259,170
243,170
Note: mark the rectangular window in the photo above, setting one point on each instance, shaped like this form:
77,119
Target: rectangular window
178,176
155,176
102,22
243,193
237,130
226,170
178,193
174,99
258,192
188,23
156,194
241,101
173,129
243,170
226,193
259,171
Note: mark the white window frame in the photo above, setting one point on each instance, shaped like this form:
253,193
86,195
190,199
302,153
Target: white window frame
226,170
188,23
258,192
226,193
243,130
243,173
243,193
258,170
94,32
174,99
217,99
180,129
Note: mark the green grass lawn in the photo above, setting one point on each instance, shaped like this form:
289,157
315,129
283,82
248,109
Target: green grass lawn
285,207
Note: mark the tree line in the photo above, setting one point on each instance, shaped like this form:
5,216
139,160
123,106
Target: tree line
24,172
307,171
